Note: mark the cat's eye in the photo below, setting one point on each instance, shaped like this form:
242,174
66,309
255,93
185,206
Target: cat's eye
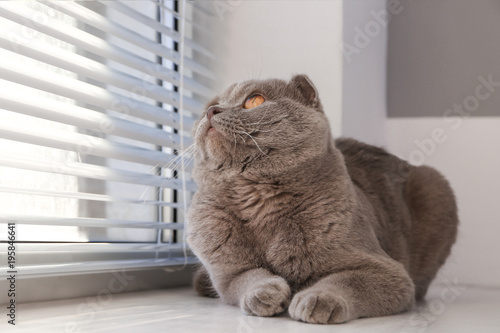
253,101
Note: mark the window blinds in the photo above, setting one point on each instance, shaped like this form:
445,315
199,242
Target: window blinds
97,102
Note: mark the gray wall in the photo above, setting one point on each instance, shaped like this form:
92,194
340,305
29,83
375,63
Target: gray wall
437,51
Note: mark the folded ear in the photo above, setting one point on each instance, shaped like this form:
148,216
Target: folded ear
307,90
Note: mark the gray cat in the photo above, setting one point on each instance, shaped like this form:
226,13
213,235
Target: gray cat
286,217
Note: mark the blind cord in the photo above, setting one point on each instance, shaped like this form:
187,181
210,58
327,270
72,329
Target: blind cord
181,107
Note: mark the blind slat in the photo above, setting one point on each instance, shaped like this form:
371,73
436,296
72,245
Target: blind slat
72,268
126,10
89,222
94,172
94,70
90,43
84,92
30,248
98,21
174,14
85,144
86,196
45,108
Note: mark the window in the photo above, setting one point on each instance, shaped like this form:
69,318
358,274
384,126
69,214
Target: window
97,102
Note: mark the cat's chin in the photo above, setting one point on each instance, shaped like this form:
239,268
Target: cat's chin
210,132
214,138
215,145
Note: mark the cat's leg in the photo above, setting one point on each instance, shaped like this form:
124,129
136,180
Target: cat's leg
232,267
203,284
261,301
257,291
369,287
261,293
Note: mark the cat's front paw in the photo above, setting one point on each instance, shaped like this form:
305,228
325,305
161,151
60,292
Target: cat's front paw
267,299
319,307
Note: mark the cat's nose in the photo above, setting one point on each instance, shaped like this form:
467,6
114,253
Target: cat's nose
212,111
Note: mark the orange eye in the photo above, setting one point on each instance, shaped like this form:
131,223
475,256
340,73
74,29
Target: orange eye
253,101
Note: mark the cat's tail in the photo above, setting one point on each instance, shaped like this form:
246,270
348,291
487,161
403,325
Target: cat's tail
203,284
434,224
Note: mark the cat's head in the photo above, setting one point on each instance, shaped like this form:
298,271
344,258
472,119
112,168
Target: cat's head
264,126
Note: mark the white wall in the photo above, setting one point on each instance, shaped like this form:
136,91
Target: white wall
265,39
469,156
364,70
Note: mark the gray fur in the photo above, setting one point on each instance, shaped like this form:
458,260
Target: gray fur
286,217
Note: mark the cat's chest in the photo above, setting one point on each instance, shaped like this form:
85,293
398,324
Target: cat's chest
259,203
277,222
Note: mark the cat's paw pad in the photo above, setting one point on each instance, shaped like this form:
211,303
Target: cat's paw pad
318,307
267,299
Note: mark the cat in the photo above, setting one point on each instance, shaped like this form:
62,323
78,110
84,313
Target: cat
285,217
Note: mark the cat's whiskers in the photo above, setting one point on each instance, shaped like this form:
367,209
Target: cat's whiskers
242,138
169,179
234,151
182,159
277,122
143,194
251,137
263,116
258,123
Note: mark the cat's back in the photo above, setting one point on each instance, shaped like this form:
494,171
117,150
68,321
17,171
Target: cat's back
370,166
381,177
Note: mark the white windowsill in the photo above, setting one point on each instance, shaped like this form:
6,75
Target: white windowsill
180,310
